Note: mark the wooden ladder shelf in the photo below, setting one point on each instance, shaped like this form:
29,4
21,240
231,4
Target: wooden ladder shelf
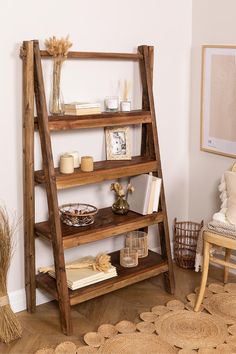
107,224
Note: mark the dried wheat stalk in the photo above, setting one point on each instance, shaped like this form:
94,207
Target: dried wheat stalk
10,327
58,48
100,263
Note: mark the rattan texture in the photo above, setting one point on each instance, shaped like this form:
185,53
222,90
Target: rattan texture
148,316
232,329
145,327
160,310
94,339
125,327
136,343
216,288
85,349
230,288
187,329
107,330
207,292
186,234
66,348
175,305
45,351
222,305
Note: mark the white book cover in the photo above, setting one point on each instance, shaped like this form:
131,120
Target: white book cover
157,194
78,105
77,278
152,196
139,199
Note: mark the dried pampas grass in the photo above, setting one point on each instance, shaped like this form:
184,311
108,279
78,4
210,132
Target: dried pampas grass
10,327
58,47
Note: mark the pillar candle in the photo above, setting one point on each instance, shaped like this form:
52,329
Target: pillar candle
75,155
86,163
66,164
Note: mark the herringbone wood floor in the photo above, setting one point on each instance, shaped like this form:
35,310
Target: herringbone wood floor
42,329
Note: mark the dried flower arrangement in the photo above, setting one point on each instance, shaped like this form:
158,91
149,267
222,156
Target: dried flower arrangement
121,206
10,327
101,263
58,49
120,191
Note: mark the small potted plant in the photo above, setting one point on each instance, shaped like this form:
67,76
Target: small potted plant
121,206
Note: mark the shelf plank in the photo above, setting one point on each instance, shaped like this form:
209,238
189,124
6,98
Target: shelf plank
103,170
96,55
107,224
148,267
70,122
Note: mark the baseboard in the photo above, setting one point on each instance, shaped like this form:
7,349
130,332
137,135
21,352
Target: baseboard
18,300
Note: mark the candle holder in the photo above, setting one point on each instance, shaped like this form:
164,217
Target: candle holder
128,257
125,106
137,240
66,164
86,163
112,104
76,158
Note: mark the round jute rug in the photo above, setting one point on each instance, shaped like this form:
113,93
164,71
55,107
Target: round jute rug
187,329
222,305
138,343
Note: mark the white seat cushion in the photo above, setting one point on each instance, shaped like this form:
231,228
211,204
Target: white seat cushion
230,179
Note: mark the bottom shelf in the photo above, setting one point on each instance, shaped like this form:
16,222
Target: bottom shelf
148,267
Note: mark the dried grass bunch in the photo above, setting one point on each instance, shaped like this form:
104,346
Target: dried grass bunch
119,189
10,327
58,49
101,263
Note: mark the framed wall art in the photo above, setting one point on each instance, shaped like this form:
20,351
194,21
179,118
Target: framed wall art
218,100
118,143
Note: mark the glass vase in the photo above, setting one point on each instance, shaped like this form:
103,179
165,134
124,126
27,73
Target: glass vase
120,206
56,105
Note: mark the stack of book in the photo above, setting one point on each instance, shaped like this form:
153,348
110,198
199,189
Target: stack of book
145,198
78,278
81,108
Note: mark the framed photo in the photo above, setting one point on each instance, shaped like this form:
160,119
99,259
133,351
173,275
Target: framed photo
118,143
218,100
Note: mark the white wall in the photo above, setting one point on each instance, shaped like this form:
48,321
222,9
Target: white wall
96,26
213,23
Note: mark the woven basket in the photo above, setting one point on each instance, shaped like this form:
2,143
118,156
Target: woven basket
185,242
77,214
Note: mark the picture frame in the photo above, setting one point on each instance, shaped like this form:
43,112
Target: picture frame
118,143
218,100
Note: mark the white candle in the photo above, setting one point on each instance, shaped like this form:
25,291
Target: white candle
128,257
66,164
128,260
112,103
76,158
125,106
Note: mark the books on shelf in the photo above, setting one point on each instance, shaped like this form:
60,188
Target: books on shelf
78,278
81,108
145,198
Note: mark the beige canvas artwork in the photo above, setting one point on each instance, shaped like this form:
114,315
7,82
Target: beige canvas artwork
222,117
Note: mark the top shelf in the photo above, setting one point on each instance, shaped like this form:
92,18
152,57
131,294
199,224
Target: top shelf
97,55
105,119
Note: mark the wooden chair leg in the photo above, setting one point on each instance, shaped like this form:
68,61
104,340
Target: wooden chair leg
205,268
226,269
